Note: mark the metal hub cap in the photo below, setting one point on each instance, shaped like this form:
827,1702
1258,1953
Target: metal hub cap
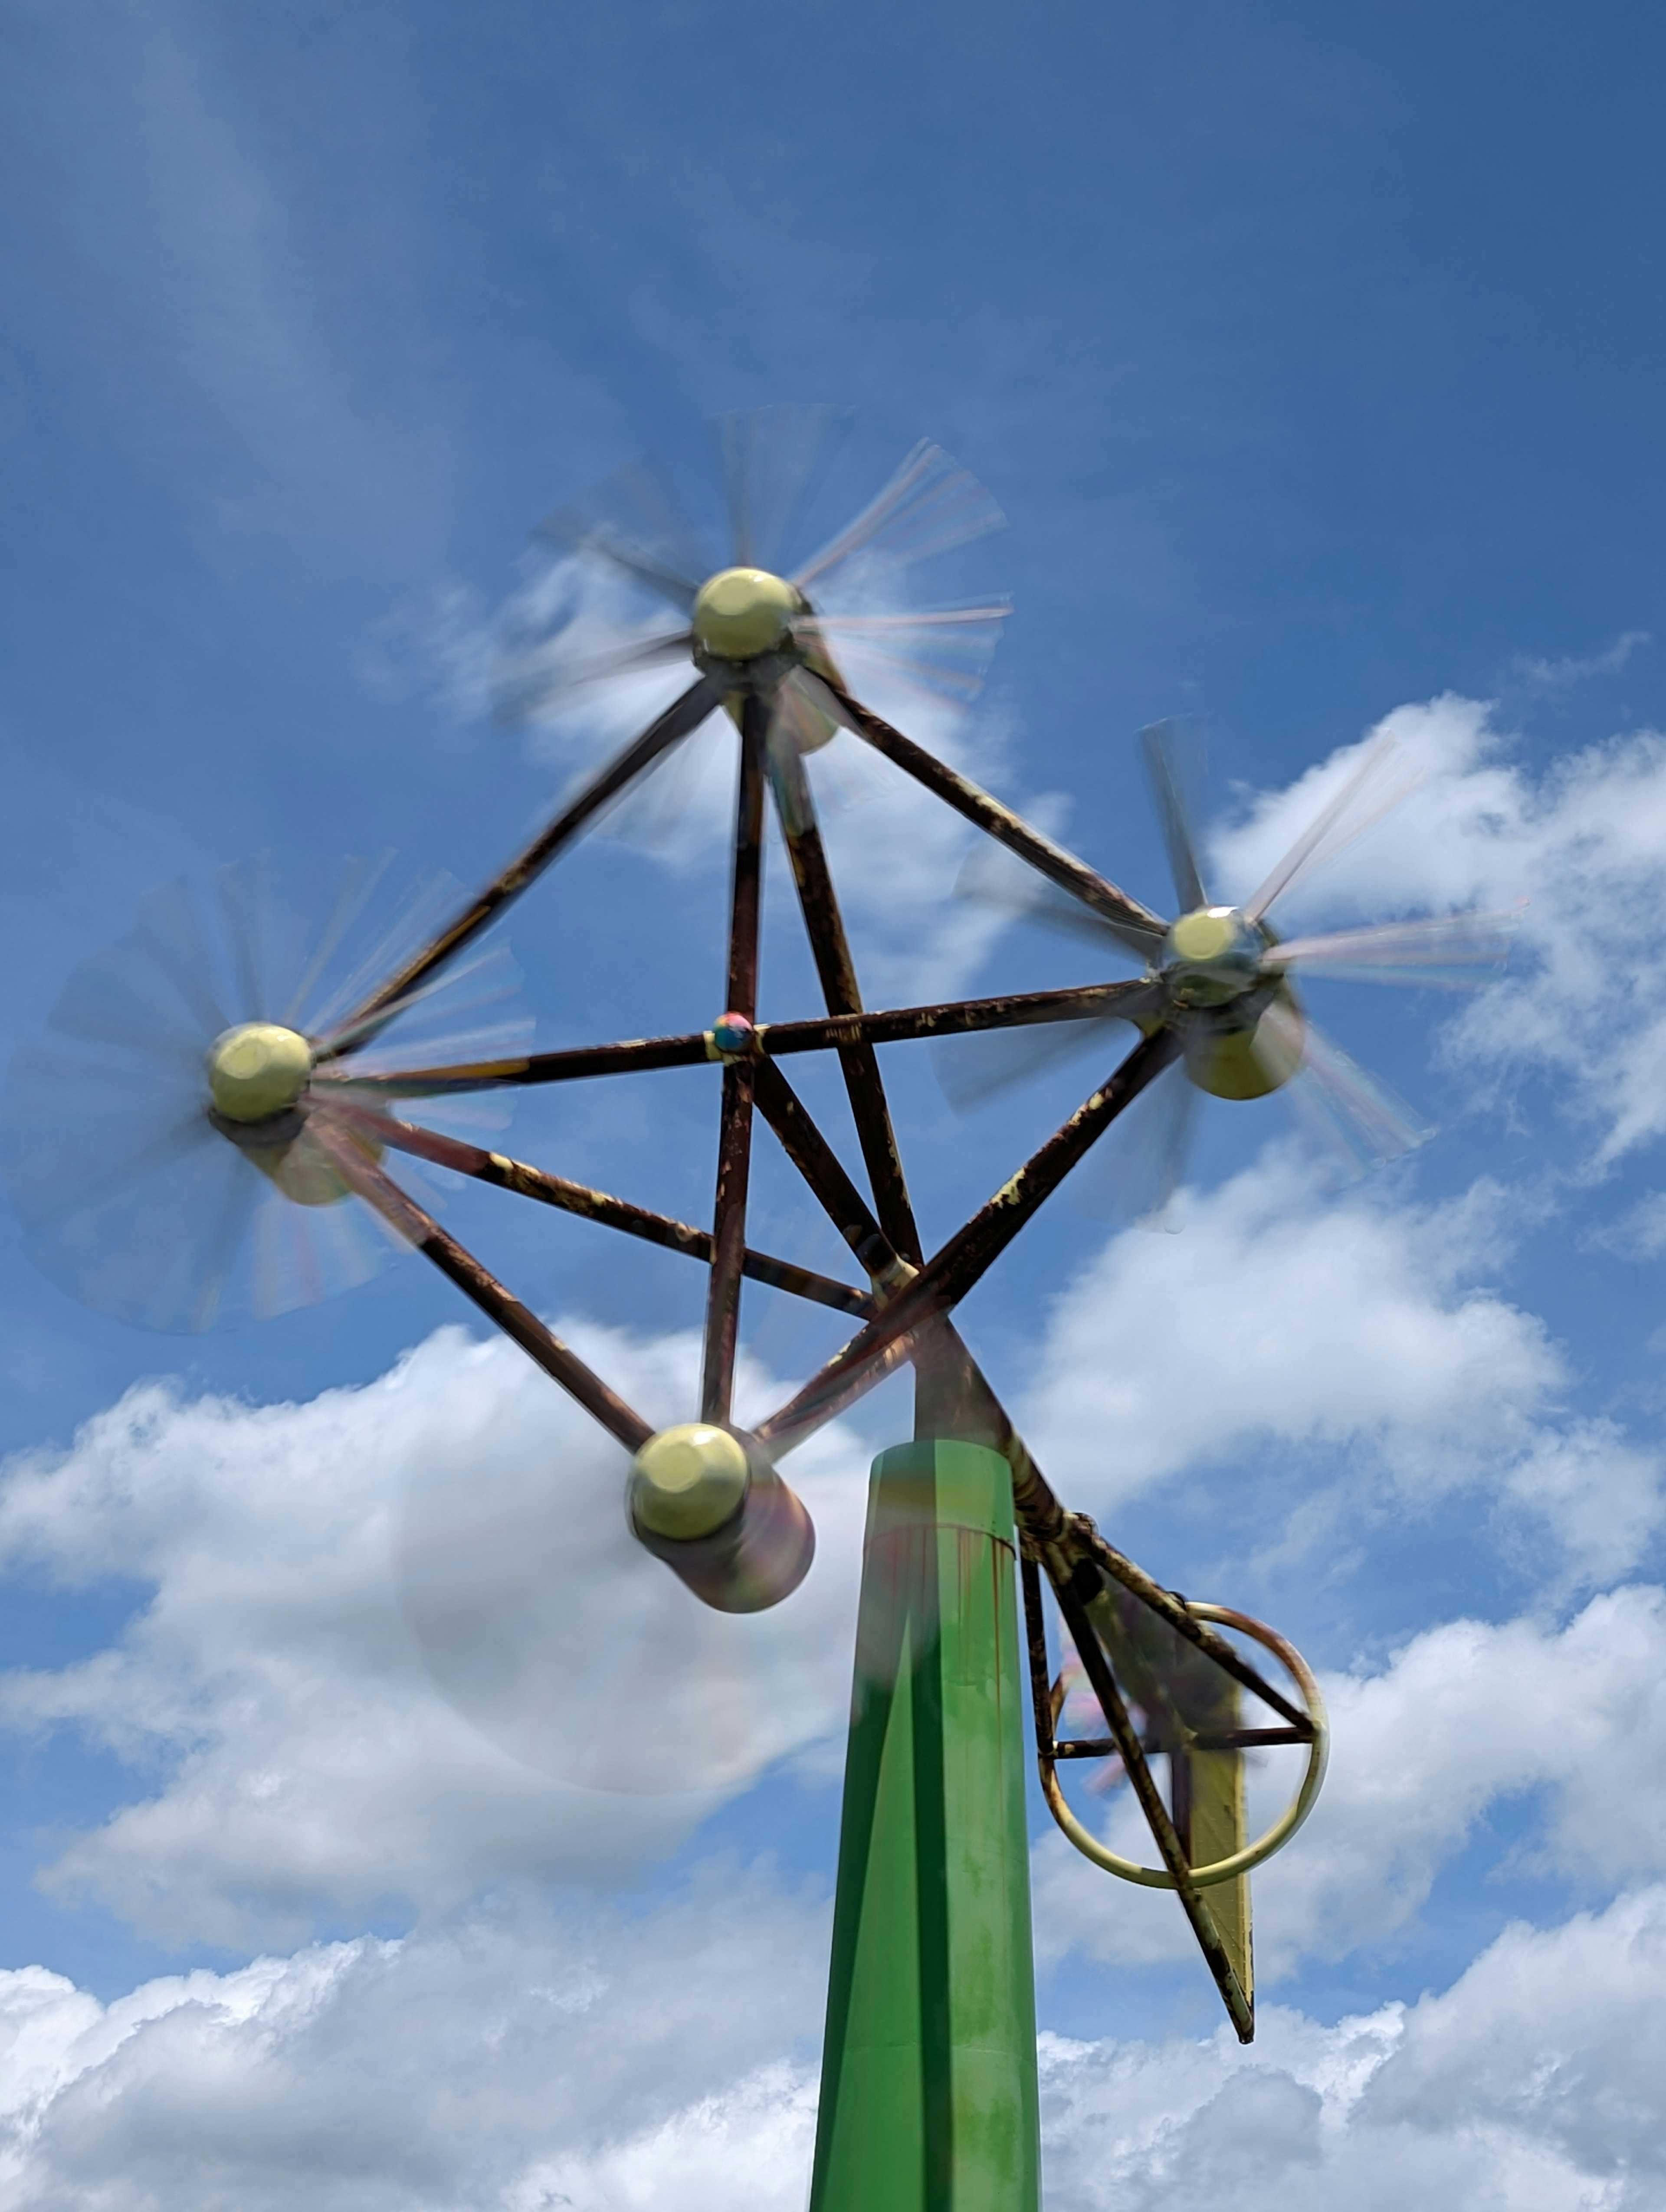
740,613
1213,956
688,1480
257,1070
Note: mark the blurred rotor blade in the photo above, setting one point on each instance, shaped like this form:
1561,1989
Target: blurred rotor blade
356,882
979,1065
1131,1177
1354,1117
467,1013
131,1198
930,505
155,992
681,799
773,458
540,670
1367,795
554,1634
1454,950
458,998
634,520
940,652
142,1235
992,877
1163,743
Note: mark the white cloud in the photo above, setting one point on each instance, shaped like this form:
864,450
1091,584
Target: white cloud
525,2062
1532,2085
307,1763
1573,668
1585,842
521,2065
1358,1323
1466,1716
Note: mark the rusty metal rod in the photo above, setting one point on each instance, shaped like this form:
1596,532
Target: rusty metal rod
954,1269
795,808
1104,1746
1065,1538
694,1049
1081,1540
1097,1667
402,1213
1040,1673
680,718
597,1206
1135,924
734,1142
824,1172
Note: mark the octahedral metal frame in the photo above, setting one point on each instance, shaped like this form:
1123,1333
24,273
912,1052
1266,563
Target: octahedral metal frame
906,1313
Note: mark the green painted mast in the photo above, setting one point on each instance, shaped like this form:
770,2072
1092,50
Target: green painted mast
929,2075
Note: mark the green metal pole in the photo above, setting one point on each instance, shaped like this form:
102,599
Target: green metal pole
928,2097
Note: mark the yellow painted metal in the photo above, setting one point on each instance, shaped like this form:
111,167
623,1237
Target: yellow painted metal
1219,1833
1206,935
257,1069
688,1480
1207,1874
741,612
1246,1060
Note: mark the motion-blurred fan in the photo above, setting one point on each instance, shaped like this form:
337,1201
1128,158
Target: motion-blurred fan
1221,978
544,1622
157,1139
757,625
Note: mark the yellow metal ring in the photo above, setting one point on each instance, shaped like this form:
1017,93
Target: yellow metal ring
1282,1829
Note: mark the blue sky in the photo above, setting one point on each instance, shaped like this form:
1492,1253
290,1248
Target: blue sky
1314,360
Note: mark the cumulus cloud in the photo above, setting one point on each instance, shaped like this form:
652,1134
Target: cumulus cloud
530,2065
1358,1323
524,2062
309,1764
1584,843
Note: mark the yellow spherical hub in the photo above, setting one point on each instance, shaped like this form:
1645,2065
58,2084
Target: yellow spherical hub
1247,1060
1213,956
688,1480
1205,934
740,613
257,1070
1244,1039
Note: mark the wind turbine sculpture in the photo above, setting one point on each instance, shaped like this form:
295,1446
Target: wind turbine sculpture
194,1085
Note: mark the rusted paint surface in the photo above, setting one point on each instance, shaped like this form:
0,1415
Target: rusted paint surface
1082,1541
824,926
1136,924
960,1263
734,1140
680,718
1239,2006
597,1206
402,1212
696,1048
824,1171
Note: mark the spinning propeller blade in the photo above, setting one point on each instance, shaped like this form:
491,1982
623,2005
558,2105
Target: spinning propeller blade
1222,977
544,1622
1163,743
137,1194
594,624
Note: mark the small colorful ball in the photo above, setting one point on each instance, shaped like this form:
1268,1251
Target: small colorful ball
732,1034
